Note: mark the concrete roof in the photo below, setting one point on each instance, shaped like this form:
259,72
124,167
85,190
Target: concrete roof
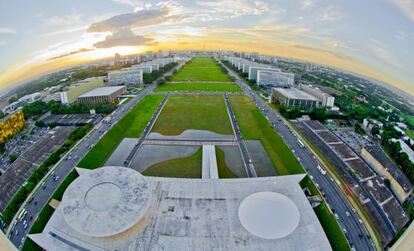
102,91
105,202
198,214
294,93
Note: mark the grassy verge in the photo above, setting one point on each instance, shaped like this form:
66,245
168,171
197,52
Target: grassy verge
188,167
329,224
201,112
198,87
201,69
131,125
254,126
224,171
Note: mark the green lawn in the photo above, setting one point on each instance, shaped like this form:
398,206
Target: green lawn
130,126
195,87
188,167
224,171
410,133
254,126
201,112
201,69
409,119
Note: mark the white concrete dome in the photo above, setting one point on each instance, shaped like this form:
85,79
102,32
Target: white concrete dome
269,215
105,201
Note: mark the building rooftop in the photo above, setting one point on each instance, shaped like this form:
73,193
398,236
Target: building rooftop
294,93
269,213
101,91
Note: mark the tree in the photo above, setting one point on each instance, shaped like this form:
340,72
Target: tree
319,114
12,157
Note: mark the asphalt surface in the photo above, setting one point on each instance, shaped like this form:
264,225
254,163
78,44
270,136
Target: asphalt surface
19,232
347,218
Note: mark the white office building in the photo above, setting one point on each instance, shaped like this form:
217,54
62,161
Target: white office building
253,70
275,78
126,77
144,68
325,99
294,97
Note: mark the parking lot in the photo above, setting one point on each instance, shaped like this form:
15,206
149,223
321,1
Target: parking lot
20,143
28,161
71,119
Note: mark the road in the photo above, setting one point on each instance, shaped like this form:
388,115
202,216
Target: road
347,218
18,233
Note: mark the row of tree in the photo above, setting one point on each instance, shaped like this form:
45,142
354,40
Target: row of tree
37,108
154,75
394,151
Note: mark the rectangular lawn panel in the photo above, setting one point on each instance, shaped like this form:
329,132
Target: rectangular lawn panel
189,167
198,87
201,69
199,112
254,126
130,126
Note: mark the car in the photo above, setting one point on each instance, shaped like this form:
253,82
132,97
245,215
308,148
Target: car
347,213
337,216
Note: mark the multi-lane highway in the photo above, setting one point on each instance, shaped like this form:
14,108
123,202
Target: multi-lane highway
347,218
19,232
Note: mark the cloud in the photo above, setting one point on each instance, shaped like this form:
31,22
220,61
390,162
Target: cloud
123,37
121,26
67,20
332,53
306,4
329,14
2,42
381,52
136,19
7,30
236,8
72,53
405,6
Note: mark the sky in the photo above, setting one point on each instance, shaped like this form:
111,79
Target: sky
370,37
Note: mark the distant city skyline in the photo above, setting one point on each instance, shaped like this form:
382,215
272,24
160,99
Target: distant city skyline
373,38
